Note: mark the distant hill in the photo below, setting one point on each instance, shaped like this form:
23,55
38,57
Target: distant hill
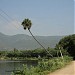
22,41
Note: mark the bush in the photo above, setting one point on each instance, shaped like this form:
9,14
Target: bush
68,44
45,67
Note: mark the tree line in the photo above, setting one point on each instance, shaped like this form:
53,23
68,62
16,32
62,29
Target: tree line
32,53
66,45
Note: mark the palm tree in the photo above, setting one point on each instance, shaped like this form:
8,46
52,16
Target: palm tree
27,25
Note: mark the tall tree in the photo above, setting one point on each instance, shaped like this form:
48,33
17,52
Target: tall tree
27,25
68,44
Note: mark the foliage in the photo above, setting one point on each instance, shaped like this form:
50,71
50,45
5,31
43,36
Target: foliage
67,43
28,54
45,67
32,53
27,23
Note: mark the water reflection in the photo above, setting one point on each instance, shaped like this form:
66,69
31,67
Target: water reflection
7,66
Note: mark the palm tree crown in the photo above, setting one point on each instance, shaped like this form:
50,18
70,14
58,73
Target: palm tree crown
27,24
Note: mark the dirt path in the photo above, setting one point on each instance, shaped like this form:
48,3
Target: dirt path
68,70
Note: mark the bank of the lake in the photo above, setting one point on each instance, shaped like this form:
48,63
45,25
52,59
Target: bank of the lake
8,66
45,66
18,59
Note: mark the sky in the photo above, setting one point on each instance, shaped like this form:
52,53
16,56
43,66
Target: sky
49,17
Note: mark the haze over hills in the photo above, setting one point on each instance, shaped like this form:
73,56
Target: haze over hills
23,41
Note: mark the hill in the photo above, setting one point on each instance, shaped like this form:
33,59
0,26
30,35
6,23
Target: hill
22,41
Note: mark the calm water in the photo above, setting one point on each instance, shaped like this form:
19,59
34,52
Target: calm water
7,66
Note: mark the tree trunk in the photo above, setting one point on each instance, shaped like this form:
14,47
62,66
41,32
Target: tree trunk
39,43
61,54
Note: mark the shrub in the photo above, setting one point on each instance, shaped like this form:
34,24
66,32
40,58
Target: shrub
45,67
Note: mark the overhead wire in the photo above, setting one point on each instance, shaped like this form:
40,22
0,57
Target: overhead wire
7,15
4,17
10,18
13,23
5,20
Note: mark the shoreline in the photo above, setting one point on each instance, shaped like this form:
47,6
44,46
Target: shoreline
17,59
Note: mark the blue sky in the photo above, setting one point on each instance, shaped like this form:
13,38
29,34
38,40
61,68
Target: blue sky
49,17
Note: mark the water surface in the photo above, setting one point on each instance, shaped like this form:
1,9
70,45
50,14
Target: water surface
6,67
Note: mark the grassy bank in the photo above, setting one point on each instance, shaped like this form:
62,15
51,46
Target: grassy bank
45,66
17,59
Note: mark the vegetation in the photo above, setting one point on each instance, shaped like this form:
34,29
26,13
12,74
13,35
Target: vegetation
67,43
44,67
46,63
30,54
27,25
50,59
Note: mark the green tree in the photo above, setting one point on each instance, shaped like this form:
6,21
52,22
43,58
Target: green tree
27,25
68,43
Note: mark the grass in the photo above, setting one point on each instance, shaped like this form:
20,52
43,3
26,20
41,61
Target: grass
45,66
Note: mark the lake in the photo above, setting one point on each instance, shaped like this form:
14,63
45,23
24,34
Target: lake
7,66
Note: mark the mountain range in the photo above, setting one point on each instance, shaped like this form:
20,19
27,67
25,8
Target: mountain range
23,41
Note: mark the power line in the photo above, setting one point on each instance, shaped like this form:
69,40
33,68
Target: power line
6,14
18,24
5,19
10,19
